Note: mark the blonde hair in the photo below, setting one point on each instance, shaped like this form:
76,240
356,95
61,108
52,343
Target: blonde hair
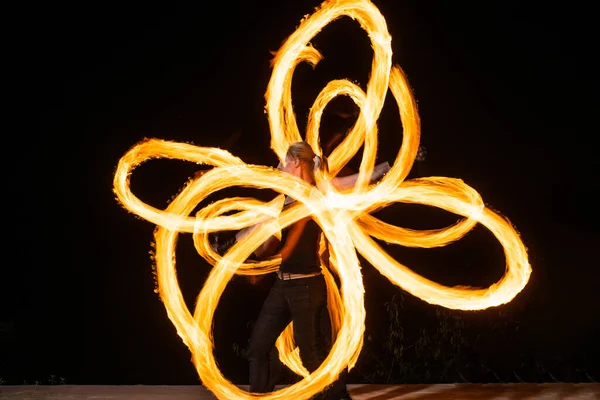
303,152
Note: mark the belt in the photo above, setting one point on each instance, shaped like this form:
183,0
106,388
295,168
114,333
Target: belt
286,276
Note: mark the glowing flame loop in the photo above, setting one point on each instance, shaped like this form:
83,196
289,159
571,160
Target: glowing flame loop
344,217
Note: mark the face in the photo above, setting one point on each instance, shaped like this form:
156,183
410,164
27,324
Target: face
292,166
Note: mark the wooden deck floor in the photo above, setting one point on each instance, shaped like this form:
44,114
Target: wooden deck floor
562,391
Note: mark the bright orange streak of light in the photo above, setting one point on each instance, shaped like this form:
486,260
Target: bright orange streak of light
344,217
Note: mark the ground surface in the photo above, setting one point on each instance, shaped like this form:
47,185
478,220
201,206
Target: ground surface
587,391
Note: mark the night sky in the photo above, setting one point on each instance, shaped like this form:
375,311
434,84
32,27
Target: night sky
507,97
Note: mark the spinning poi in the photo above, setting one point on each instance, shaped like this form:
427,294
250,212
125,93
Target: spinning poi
345,217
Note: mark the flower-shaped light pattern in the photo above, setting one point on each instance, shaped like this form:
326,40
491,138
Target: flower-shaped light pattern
345,217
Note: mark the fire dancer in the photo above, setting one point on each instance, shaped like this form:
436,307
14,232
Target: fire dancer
299,293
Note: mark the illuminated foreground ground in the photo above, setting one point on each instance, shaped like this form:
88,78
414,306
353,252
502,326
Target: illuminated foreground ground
521,391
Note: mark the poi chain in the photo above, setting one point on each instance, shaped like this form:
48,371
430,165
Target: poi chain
345,217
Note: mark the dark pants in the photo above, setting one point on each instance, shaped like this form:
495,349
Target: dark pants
303,301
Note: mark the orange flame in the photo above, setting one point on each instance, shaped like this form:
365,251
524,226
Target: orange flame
344,216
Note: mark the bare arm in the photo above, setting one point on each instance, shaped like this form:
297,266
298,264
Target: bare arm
267,249
271,247
293,237
347,182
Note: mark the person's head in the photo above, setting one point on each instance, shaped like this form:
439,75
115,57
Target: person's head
301,161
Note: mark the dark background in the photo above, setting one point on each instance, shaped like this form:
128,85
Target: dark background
507,97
